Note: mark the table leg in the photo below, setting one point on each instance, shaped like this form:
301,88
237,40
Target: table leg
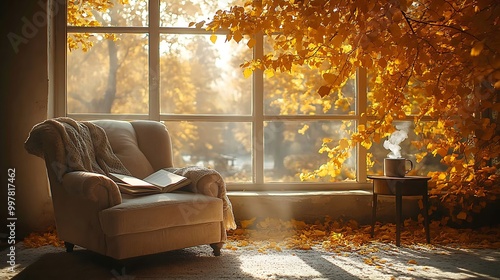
426,217
399,210
374,213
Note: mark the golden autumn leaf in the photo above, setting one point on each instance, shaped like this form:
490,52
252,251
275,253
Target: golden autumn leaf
237,36
251,43
324,91
305,247
337,40
412,261
200,24
269,73
477,48
367,143
440,151
344,143
329,78
247,72
213,38
462,215
303,129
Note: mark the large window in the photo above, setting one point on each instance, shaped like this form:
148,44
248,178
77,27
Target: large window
142,61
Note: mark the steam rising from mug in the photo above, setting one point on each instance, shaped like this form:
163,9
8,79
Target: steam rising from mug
395,139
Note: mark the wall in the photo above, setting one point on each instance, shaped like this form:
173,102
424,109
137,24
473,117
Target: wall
24,90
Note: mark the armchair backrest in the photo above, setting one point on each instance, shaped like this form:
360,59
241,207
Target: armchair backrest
142,146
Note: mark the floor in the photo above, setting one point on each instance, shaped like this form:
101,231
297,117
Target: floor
371,261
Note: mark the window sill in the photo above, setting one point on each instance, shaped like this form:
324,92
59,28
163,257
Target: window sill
311,206
297,193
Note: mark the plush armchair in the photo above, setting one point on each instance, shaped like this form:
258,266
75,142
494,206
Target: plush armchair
91,212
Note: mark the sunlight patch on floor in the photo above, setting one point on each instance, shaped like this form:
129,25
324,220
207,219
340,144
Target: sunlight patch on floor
356,268
281,266
390,268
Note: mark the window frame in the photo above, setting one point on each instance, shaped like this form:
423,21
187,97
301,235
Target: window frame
257,117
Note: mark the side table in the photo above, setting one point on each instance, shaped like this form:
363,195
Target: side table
399,187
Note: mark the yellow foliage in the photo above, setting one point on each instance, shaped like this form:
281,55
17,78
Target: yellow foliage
81,13
420,64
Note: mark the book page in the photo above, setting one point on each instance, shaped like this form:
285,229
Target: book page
164,178
130,180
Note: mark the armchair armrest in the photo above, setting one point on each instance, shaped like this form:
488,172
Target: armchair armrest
208,182
92,186
208,185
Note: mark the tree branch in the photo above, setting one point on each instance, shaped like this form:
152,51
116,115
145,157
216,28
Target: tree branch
408,22
444,26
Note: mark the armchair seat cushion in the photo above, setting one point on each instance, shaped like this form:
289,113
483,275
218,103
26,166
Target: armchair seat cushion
159,211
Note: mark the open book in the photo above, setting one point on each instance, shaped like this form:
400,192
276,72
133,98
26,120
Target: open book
160,181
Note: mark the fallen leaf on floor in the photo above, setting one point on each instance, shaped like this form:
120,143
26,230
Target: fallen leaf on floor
49,237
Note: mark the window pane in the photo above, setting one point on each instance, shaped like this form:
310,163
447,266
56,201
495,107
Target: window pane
82,13
199,77
111,77
181,13
427,162
296,93
223,146
291,147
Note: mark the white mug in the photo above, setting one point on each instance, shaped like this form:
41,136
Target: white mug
396,167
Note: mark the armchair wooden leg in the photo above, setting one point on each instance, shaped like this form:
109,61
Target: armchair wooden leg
217,247
69,246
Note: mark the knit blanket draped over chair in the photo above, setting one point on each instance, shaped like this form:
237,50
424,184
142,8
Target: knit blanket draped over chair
68,145
197,175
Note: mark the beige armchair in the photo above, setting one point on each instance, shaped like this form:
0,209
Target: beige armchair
91,212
